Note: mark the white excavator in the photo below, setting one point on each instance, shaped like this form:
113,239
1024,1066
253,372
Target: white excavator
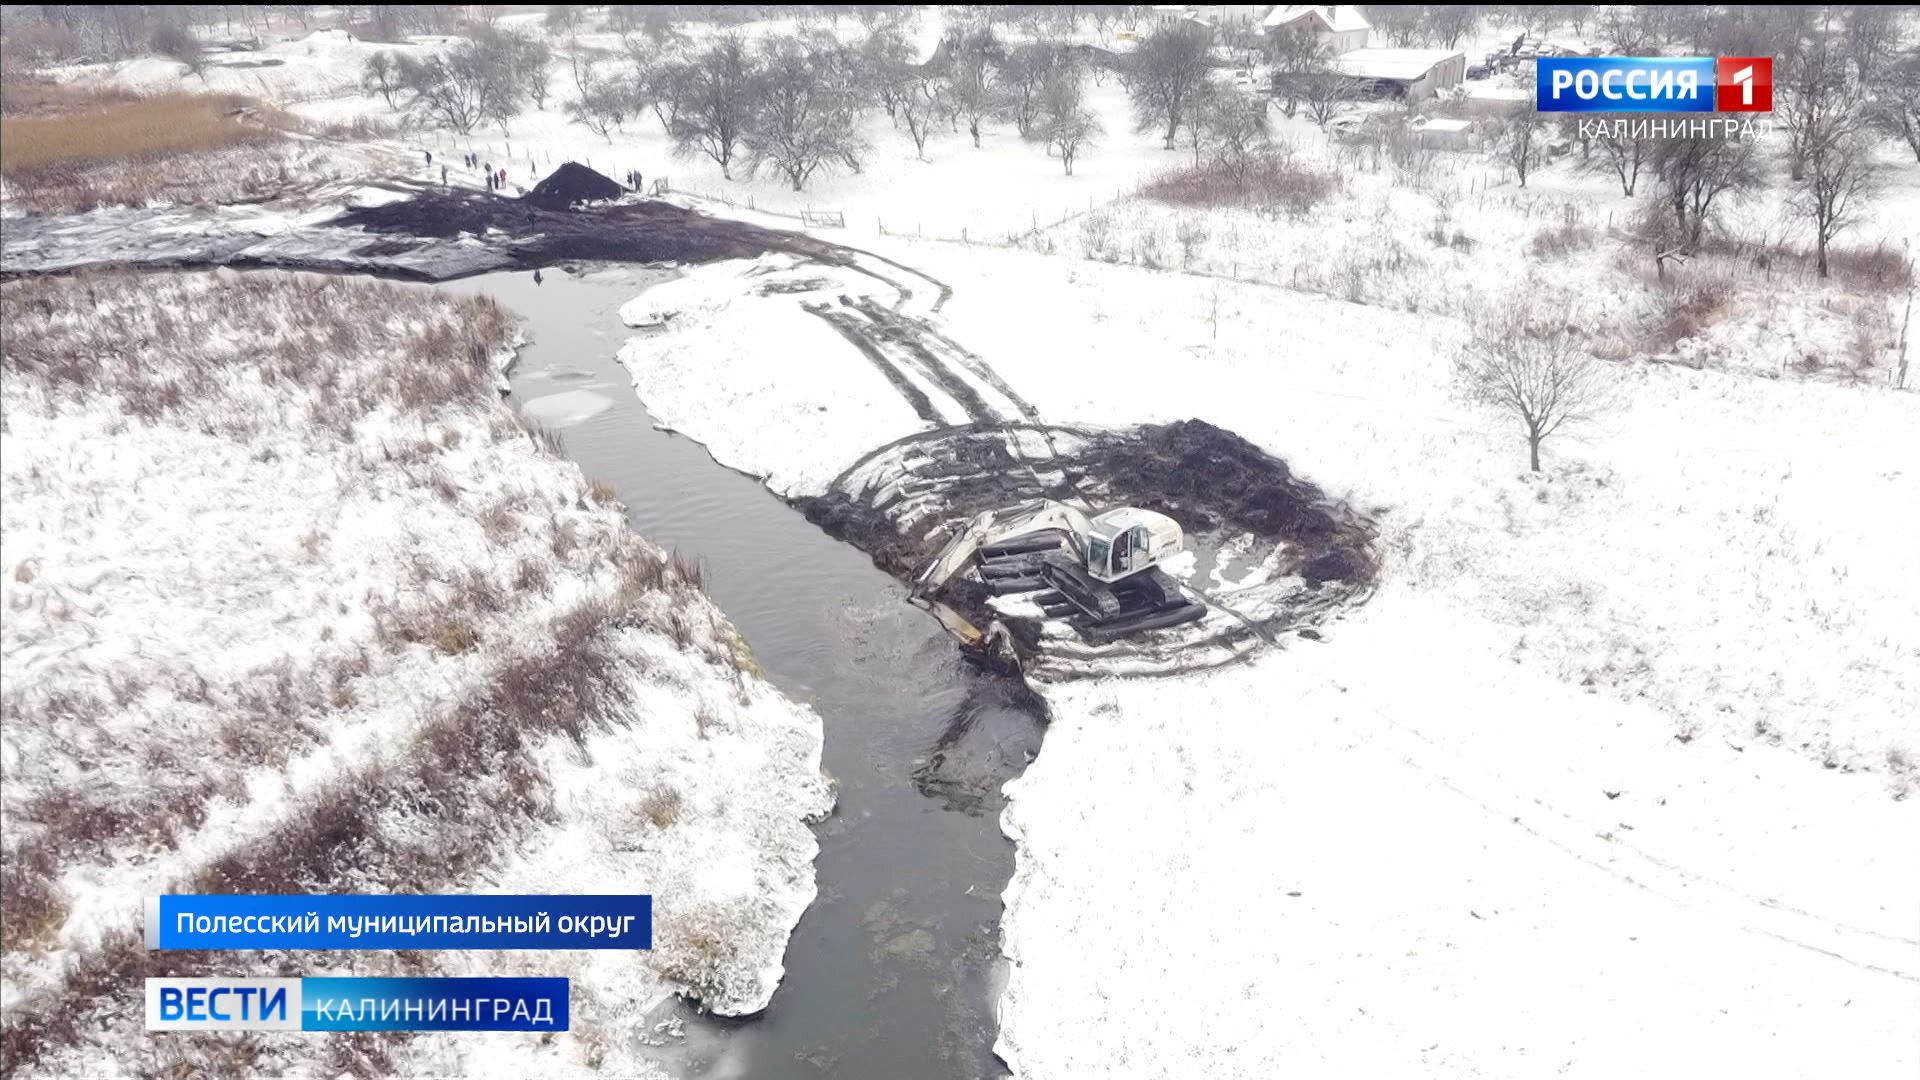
1102,573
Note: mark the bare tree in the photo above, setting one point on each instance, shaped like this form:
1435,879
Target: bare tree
1814,100
1399,24
806,110
888,68
1234,129
1297,57
1024,76
1871,38
1622,153
875,16
526,57
1520,143
1196,114
1330,93
1070,126
1448,23
657,86
176,42
1164,76
1776,30
923,107
1694,173
976,94
1840,177
1528,365
604,103
1896,101
382,75
1629,30
563,18
713,92
469,85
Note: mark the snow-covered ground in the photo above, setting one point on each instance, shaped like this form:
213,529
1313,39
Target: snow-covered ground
1701,606
294,603
1612,776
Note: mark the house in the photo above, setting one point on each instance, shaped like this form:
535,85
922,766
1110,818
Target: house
1443,133
1233,18
1166,16
1225,20
1341,27
1412,74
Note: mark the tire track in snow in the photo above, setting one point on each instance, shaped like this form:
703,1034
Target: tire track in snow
891,329
848,327
1660,877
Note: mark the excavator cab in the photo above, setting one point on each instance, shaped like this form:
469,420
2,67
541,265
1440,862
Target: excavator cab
1123,542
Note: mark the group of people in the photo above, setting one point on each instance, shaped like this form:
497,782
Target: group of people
496,178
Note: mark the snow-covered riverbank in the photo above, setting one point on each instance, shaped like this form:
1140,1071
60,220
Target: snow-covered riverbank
1553,800
296,604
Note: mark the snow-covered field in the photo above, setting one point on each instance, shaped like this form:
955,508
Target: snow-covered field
1702,607
294,603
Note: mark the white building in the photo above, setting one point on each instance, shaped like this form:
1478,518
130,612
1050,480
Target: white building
1341,26
1233,18
1224,19
1443,133
1417,73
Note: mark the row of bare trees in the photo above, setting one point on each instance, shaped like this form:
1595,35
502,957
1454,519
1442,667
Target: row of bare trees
490,78
794,105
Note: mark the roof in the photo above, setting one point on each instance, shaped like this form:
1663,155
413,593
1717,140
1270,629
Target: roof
1441,123
1402,65
1120,519
1337,18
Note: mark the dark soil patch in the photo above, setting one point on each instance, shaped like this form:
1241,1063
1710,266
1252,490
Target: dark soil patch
1206,477
537,235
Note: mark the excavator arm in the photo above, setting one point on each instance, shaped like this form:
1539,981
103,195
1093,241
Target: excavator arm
998,526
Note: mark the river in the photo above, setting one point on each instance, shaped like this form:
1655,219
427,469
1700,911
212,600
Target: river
894,969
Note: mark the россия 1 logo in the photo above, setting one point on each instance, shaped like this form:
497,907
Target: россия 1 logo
1653,84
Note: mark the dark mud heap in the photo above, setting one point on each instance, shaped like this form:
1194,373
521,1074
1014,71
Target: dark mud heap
572,184
532,235
903,502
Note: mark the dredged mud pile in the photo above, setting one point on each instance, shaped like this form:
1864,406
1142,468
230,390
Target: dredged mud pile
536,233
1280,554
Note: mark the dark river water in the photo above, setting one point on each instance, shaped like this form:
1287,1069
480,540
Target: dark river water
893,972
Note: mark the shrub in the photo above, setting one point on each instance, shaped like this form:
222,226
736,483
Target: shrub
1190,232
1559,240
454,636
30,895
1689,310
696,952
686,570
1096,235
661,806
1272,181
1878,267
178,43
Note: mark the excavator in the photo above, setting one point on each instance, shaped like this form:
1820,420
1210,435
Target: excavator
1101,573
